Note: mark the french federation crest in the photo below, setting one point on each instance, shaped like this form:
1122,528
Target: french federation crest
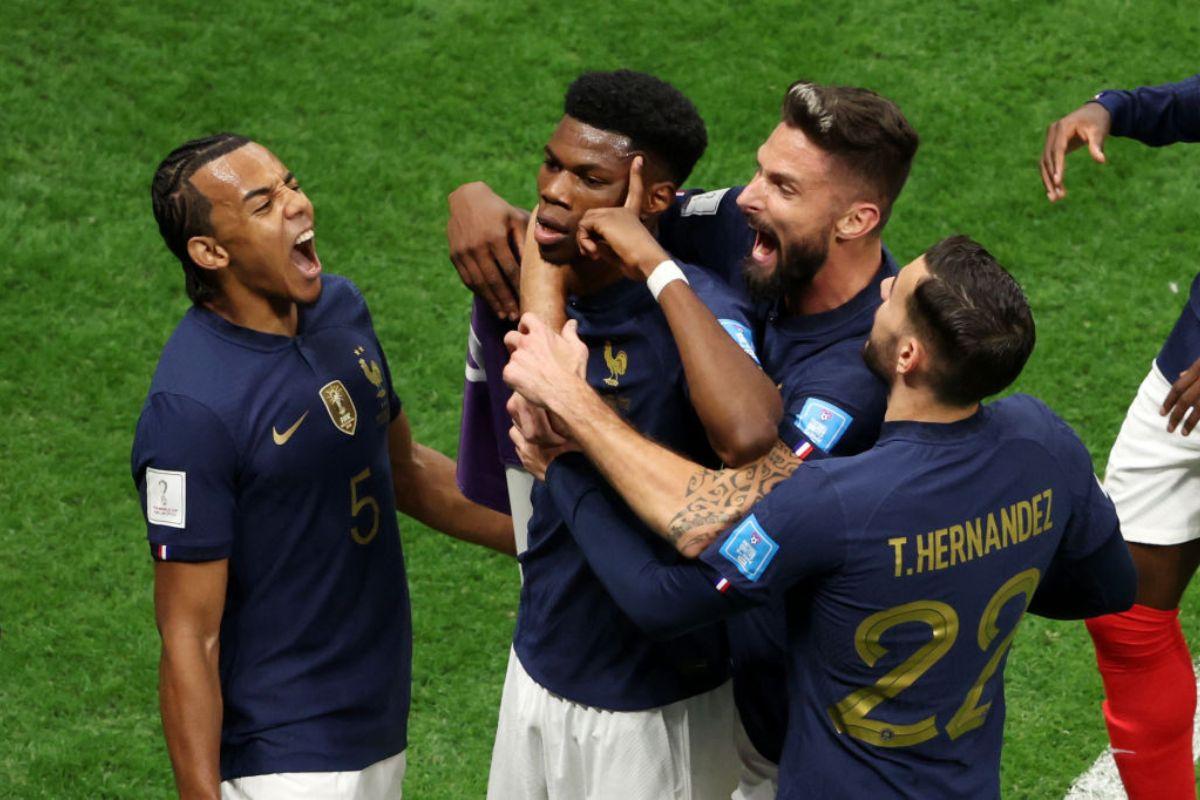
340,407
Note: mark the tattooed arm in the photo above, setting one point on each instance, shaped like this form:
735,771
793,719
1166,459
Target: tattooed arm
679,499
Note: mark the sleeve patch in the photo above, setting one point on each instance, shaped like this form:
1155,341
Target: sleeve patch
822,422
742,335
166,497
749,548
703,205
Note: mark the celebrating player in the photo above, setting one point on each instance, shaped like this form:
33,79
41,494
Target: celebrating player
592,706
804,239
271,456
904,570
1154,478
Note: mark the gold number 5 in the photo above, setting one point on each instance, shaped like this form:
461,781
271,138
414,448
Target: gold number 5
357,504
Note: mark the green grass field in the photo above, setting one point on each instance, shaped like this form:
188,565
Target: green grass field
381,109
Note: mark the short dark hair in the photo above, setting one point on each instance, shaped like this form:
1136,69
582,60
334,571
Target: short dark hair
975,318
864,132
657,117
182,211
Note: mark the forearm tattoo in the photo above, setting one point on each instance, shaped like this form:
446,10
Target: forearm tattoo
716,498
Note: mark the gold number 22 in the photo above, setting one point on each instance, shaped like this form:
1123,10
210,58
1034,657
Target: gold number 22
357,504
850,714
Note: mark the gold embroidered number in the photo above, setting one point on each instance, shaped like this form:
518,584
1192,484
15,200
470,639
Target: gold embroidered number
357,504
850,715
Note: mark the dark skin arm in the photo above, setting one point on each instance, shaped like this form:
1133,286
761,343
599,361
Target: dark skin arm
741,425
1184,397
485,235
189,600
427,490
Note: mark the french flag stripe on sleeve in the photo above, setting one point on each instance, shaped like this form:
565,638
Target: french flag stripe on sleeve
162,552
722,585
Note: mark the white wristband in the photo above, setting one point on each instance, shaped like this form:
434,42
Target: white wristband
663,274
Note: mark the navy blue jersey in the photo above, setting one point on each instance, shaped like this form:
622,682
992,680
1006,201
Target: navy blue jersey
708,229
904,572
571,637
1161,115
832,405
271,451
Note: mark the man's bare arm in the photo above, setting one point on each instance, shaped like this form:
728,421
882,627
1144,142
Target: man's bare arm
427,490
680,500
189,600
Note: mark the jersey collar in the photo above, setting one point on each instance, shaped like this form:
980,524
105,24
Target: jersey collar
934,432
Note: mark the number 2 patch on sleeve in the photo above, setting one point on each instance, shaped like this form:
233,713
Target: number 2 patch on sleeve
749,548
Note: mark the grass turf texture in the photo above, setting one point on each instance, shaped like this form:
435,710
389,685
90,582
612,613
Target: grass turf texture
381,109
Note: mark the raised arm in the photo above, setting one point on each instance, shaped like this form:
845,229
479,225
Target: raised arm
678,499
426,489
189,599
1154,115
741,425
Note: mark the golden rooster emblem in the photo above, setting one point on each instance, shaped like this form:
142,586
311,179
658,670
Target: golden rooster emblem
374,375
616,364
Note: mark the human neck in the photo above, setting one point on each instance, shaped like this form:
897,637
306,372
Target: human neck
256,312
587,277
910,404
849,268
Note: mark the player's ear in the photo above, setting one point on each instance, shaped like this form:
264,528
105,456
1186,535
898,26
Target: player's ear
658,197
206,253
859,220
910,355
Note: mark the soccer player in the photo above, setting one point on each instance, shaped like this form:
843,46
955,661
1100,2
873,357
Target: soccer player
904,570
803,240
1154,478
271,456
592,706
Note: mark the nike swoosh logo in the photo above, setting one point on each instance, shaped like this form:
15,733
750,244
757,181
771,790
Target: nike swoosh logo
281,438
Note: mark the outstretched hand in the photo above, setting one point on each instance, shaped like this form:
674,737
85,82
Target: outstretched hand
1183,397
618,234
1089,124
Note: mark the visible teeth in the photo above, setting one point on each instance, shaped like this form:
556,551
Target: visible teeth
304,237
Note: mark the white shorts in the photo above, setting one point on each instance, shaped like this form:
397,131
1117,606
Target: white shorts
759,779
1153,477
380,781
548,748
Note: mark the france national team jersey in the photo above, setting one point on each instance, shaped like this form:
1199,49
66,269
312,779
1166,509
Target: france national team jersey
484,448
272,452
1161,115
833,405
571,636
904,571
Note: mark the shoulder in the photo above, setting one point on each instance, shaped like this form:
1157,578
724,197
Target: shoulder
1022,416
701,203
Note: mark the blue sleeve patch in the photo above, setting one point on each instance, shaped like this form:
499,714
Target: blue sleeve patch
749,548
742,335
822,422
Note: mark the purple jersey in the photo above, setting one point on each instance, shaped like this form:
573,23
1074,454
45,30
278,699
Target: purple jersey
484,449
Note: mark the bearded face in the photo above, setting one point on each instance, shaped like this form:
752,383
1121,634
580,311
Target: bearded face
793,264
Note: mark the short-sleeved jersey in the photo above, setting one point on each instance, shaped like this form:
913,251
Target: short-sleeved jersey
571,636
271,451
833,405
904,571
1157,116
484,447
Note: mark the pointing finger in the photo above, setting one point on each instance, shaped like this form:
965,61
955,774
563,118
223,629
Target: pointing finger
634,194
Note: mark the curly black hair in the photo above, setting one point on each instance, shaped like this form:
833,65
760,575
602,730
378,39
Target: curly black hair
657,117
